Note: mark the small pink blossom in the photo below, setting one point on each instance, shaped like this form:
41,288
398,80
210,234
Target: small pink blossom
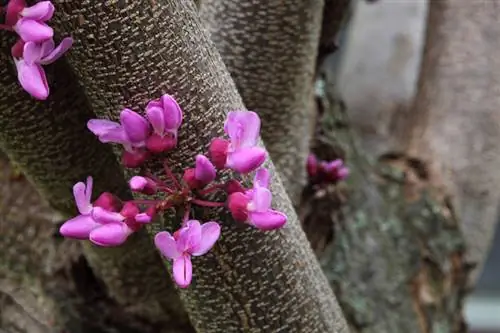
193,239
143,185
240,153
99,222
254,205
202,174
29,22
165,115
326,172
30,72
132,132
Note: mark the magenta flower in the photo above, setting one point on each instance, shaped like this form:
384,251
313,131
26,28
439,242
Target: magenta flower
165,115
30,73
240,152
99,223
143,184
132,132
254,205
193,239
334,170
29,22
202,174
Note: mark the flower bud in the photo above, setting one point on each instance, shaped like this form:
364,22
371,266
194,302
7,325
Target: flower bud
218,152
237,204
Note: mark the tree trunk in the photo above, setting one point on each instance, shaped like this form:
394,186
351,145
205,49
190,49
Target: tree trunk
270,49
129,53
416,204
50,143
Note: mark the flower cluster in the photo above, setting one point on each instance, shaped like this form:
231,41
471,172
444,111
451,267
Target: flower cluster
108,221
321,172
35,45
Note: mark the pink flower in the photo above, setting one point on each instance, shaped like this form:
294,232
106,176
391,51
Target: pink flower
334,170
29,22
30,73
202,174
241,153
99,223
132,132
17,9
143,185
254,205
165,115
193,239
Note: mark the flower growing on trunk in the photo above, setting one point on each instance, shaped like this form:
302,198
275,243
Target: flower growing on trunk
202,174
30,72
254,205
165,115
132,132
193,239
326,172
29,22
100,222
240,153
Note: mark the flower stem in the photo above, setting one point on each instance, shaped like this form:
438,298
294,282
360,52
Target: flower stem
6,27
187,211
205,203
211,189
171,175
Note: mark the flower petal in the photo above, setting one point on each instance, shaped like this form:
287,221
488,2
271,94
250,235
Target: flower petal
156,117
104,216
81,198
78,227
112,234
204,170
261,200
183,271
246,160
32,52
102,126
51,54
189,236
33,31
143,218
262,178
32,79
210,232
41,11
243,128
172,112
135,126
167,245
269,220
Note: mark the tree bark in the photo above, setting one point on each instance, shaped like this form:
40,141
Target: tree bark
128,53
50,143
270,49
422,172
454,126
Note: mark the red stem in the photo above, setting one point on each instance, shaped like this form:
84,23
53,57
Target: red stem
171,175
187,210
205,203
146,202
211,189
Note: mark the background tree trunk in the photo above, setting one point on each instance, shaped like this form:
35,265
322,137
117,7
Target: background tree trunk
270,49
420,172
129,53
50,143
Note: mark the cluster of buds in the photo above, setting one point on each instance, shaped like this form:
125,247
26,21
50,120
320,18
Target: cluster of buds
35,46
108,221
142,136
325,172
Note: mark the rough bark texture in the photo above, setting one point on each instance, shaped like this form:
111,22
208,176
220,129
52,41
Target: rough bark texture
455,126
270,49
50,143
128,53
398,258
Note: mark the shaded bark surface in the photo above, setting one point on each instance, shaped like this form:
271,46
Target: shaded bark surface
129,53
50,143
270,49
